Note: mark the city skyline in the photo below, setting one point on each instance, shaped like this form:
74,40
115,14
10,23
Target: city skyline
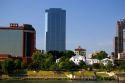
90,24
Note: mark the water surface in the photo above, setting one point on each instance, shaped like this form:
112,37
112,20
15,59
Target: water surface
57,81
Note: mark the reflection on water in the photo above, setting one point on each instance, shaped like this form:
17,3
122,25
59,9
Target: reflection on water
57,81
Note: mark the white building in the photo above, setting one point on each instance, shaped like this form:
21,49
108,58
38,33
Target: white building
106,61
77,58
92,61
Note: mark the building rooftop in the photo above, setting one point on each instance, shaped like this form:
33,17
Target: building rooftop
15,26
80,49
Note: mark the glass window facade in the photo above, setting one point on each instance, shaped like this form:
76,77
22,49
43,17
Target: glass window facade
11,42
55,32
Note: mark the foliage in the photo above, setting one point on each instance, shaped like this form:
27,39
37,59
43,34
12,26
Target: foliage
119,64
109,66
57,54
102,67
82,65
34,66
47,62
17,63
8,66
67,65
0,65
37,56
96,66
69,53
100,55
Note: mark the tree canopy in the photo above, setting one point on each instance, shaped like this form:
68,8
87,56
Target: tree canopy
100,55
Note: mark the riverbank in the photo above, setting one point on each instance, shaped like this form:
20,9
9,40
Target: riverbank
58,78
59,75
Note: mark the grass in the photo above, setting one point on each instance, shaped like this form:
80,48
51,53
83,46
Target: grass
62,73
84,73
45,73
102,74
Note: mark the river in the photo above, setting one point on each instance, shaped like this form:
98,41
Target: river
57,81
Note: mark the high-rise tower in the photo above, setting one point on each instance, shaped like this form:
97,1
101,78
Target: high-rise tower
119,46
55,29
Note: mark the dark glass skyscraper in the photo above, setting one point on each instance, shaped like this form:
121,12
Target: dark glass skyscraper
55,29
118,47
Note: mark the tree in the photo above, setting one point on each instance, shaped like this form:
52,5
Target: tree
17,63
37,56
24,66
82,65
0,65
100,55
53,67
67,65
109,66
55,54
102,67
48,62
8,66
121,64
34,66
69,53
38,59
96,66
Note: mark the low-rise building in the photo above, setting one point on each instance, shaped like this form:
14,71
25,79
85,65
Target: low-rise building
92,61
106,61
121,55
4,56
77,58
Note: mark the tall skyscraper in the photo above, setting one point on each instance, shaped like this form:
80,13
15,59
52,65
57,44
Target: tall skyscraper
119,46
55,29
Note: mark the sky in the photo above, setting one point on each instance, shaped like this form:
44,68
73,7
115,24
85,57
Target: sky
89,23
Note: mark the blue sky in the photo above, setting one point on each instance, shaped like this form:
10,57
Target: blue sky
90,23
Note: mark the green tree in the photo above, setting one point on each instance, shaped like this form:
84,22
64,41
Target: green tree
100,55
37,56
82,65
109,66
121,65
0,65
17,63
38,59
34,66
96,66
48,62
24,65
67,65
8,66
102,67
54,67
69,53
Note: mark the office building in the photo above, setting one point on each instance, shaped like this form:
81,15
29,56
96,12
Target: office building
55,29
119,43
18,41
124,40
